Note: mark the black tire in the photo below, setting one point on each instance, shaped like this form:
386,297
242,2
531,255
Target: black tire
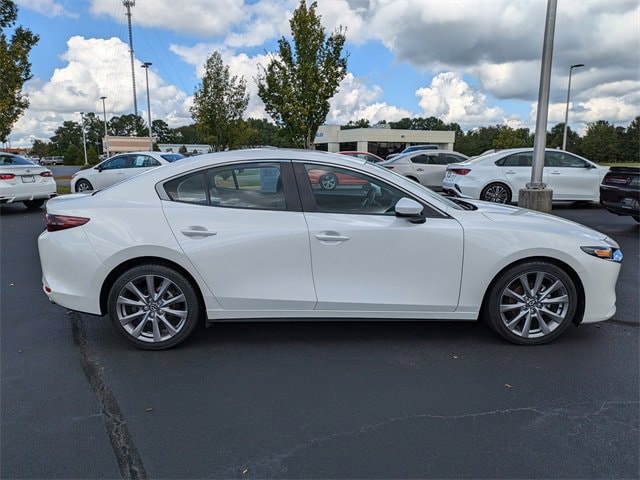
83,186
33,204
328,181
531,317
153,323
496,192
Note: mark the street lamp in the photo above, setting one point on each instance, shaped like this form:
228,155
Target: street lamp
566,113
146,66
105,146
84,139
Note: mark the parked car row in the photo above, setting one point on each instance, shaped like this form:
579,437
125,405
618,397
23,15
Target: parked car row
253,234
24,181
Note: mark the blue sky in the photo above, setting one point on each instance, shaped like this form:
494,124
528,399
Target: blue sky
474,62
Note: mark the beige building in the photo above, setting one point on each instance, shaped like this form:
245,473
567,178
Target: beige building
127,144
381,141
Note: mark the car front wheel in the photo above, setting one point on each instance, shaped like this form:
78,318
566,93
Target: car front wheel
531,303
83,186
153,306
496,192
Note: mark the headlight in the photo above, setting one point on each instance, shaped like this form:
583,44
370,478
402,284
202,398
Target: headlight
605,252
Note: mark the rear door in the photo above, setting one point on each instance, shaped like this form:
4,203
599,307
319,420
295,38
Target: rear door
242,228
570,177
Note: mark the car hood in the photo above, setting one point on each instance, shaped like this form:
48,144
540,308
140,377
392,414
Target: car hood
533,220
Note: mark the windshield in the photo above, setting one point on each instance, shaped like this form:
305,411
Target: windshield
172,157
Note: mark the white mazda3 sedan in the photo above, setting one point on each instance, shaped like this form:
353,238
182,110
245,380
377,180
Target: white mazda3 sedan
248,235
24,181
499,176
118,168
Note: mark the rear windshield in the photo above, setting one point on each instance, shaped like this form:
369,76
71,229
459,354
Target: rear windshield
14,160
172,157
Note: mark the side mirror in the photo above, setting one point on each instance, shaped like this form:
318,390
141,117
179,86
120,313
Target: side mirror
99,168
410,209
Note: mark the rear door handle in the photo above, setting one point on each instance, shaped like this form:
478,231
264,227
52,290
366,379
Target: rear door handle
555,173
420,169
197,231
510,172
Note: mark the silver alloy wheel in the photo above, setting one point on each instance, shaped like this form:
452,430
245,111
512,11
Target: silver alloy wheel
328,181
496,193
152,308
534,304
83,186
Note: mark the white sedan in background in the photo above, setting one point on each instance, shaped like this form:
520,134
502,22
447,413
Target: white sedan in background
118,168
426,167
24,181
499,176
247,235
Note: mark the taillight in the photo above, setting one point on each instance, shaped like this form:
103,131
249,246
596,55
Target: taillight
460,171
46,174
7,176
62,222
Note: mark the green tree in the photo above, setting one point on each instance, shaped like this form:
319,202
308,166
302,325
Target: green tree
69,133
508,137
92,155
219,102
554,138
630,142
297,84
41,149
161,131
127,126
15,68
601,142
73,155
474,142
362,123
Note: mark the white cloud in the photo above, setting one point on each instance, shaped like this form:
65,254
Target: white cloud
49,8
451,99
96,67
355,101
197,17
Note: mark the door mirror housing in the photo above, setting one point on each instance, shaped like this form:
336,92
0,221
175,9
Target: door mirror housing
410,209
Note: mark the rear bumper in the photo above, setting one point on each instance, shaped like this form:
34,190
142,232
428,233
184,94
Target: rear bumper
26,197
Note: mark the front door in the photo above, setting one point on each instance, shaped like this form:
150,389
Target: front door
366,259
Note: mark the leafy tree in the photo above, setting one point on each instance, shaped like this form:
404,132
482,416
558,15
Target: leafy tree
129,125
73,155
508,137
219,101
187,134
92,155
297,85
630,142
477,141
41,149
161,131
362,123
554,138
69,133
15,67
600,142
94,130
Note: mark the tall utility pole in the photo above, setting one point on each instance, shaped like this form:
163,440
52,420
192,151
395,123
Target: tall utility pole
105,145
84,139
129,4
146,66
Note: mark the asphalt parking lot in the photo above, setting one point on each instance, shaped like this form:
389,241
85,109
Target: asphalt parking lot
313,399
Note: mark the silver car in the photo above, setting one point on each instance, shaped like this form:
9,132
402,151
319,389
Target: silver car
426,167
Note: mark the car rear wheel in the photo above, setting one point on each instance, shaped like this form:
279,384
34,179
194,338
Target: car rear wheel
328,181
153,306
83,186
496,192
531,303
33,204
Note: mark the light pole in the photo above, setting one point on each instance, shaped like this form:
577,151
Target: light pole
105,145
84,139
566,112
146,66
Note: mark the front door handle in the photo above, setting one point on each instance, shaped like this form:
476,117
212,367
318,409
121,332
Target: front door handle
331,237
197,231
420,169
555,173
510,172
